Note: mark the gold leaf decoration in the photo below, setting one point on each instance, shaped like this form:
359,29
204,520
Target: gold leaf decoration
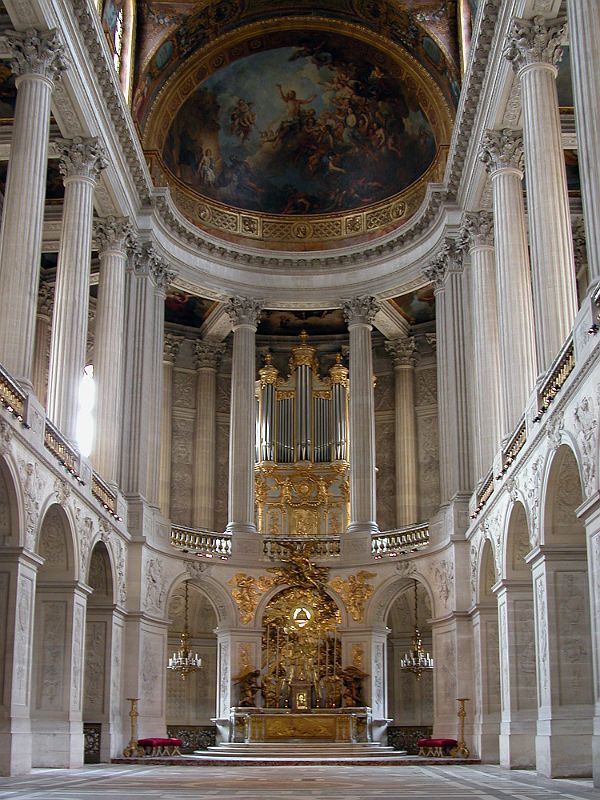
246,591
354,591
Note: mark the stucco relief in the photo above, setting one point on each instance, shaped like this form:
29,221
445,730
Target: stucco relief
224,673
33,486
223,399
184,394
95,645
504,649
77,658
429,472
542,636
554,431
386,489
151,683
443,576
524,644
155,586
52,541
115,678
62,491
493,666
530,487
6,437
573,645
384,393
425,387
222,476
181,470
378,678
118,550
86,536
52,664
586,426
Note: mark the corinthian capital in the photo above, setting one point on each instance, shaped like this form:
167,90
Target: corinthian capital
82,158
360,310
35,52
449,259
207,353
45,299
171,347
112,233
146,261
478,229
535,41
502,149
243,311
402,351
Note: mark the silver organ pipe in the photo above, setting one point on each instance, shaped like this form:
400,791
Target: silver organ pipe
266,411
339,409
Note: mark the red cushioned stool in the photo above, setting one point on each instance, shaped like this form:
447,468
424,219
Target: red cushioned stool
436,748
159,746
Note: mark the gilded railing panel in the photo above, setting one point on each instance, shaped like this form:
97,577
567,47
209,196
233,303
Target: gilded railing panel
62,450
201,542
11,396
276,548
404,540
556,378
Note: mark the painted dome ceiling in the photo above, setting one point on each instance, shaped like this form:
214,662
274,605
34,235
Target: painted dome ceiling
292,126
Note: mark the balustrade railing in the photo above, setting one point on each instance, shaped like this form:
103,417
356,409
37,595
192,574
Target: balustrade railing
485,492
399,542
556,378
513,447
105,496
12,396
201,542
62,450
278,547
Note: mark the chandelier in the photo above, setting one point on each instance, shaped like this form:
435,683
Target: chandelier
417,660
184,661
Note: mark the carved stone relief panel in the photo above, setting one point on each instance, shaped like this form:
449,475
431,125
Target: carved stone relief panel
574,644
224,687
116,668
154,598
223,399
505,650
445,677
429,473
542,639
524,639
386,464
222,475
152,673
182,454
95,648
425,387
4,624
184,389
50,694
22,638
77,657
493,666
384,393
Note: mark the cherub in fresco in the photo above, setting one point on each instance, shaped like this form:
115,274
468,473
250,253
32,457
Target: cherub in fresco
242,119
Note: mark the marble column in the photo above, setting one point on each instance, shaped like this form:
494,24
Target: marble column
407,501
517,674
207,355
18,571
359,313
478,232
113,236
38,61
244,314
41,352
170,350
146,284
564,661
502,153
534,47
445,272
81,161
584,35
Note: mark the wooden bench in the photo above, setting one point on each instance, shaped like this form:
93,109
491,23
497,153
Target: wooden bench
159,746
436,748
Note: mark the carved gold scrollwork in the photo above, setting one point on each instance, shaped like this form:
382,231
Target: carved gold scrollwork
247,591
354,591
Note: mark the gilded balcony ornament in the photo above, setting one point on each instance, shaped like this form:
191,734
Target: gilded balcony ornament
354,591
269,373
338,372
247,591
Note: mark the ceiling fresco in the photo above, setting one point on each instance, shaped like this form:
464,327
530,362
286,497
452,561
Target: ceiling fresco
314,127
418,306
183,308
291,323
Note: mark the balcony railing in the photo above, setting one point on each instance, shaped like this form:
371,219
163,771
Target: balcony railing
278,547
484,493
105,496
62,450
556,379
513,447
11,396
201,542
397,543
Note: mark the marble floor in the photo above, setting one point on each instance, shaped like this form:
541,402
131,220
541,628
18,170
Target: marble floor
133,782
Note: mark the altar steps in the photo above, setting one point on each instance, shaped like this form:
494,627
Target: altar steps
296,753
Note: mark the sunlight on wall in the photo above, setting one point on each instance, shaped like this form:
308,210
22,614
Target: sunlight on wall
85,415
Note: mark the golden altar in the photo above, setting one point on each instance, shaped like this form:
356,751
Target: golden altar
284,725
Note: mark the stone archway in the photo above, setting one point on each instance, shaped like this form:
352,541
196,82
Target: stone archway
409,700
563,628
191,702
58,648
517,647
103,661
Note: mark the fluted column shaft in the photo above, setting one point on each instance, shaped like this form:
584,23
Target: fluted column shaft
534,49
479,232
584,35
81,162
360,313
171,348
207,356
244,314
407,506
38,63
109,353
146,284
445,272
502,153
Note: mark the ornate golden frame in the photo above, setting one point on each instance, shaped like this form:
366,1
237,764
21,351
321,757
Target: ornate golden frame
292,231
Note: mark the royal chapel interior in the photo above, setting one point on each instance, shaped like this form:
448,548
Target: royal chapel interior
300,379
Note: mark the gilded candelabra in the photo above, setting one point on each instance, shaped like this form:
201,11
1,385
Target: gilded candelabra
132,748
461,748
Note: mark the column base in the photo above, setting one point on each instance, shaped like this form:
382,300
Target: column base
486,742
57,744
246,543
15,749
517,745
563,748
356,548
